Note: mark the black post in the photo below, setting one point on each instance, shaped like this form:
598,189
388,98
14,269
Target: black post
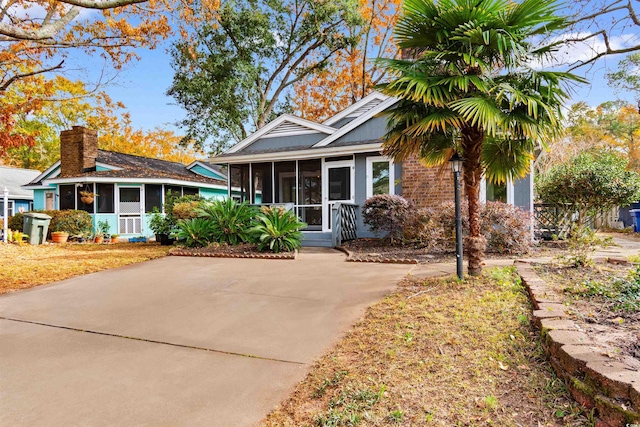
459,261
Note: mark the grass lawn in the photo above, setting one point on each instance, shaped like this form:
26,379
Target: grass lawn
439,353
27,266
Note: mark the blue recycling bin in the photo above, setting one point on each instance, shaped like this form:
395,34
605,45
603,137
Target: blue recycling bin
635,216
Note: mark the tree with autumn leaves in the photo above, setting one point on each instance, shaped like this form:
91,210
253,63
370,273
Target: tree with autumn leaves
77,105
353,72
37,36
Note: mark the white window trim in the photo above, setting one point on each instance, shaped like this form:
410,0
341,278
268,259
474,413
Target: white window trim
379,159
510,191
11,208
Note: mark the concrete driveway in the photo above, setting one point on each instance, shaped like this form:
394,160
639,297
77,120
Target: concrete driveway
177,341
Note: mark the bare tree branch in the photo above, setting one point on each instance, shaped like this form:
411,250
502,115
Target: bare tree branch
16,77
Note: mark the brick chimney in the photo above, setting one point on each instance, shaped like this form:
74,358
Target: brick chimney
78,151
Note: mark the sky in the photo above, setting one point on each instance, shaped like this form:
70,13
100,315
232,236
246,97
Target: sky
141,87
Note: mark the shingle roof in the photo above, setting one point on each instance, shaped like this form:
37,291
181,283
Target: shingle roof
132,166
14,179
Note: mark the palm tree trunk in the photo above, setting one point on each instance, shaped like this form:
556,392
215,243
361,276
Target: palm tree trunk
475,243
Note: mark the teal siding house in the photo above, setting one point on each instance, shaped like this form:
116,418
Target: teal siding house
127,187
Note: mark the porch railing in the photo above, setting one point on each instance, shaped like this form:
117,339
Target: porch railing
343,222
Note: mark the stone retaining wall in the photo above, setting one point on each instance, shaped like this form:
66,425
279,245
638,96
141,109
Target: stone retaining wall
595,376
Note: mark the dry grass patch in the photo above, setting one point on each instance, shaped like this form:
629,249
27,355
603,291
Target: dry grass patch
27,266
439,353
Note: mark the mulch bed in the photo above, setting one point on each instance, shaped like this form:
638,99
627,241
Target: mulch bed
598,316
236,251
380,250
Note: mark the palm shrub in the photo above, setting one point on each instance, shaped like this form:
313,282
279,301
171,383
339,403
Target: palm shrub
195,232
470,88
277,230
231,220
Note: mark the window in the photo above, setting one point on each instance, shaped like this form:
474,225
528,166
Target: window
262,183
240,182
310,193
49,200
379,176
10,209
105,198
496,192
285,182
67,197
82,206
190,191
176,190
152,197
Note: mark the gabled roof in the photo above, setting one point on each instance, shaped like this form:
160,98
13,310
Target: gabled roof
215,169
14,178
357,109
365,111
354,116
285,125
130,166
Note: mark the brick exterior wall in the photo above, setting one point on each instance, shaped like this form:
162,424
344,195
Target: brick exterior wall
427,187
78,151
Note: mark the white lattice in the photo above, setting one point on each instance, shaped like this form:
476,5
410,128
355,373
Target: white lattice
129,207
130,225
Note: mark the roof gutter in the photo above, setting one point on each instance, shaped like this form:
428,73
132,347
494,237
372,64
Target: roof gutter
299,154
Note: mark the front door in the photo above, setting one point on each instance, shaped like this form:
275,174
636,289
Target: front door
130,209
339,178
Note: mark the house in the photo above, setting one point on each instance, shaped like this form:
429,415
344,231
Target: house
20,199
327,170
128,187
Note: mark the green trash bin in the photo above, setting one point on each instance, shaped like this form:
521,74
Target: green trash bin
36,226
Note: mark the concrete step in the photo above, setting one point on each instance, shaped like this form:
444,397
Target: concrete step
318,239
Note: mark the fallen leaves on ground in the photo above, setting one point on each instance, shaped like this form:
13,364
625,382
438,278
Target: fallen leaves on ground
26,266
460,354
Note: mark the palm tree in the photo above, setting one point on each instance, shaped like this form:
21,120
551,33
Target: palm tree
469,87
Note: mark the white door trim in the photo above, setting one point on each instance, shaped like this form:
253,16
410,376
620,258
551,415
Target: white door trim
326,205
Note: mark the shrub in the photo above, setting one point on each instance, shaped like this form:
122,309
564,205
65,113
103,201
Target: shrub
171,199
423,227
231,220
74,222
195,232
277,230
186,209
387,213
15,222
507,228
161,224
591,183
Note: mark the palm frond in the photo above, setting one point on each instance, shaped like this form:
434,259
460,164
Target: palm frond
505,159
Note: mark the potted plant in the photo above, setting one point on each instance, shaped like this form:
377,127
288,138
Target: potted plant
161,227
87,197
114,238
59,236
101,230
